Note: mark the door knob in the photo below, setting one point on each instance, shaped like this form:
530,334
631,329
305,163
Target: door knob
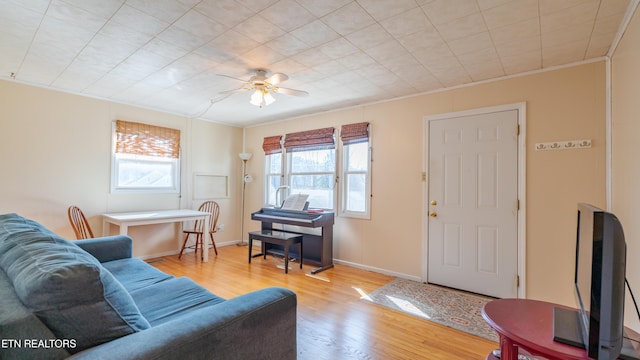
433,214
434,203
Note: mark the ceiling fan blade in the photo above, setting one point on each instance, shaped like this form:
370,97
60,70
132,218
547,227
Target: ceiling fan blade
281,90
276,78
236,90
234,78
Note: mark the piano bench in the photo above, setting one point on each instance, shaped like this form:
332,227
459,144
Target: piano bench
282,238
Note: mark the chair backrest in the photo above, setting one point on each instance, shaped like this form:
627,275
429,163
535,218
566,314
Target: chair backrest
213,208
79,223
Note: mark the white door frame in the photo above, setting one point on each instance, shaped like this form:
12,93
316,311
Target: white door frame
522,108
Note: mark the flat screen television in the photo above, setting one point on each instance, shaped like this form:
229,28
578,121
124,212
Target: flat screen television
599,281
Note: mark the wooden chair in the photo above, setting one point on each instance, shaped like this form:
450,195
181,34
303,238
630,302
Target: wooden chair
210,207
79,223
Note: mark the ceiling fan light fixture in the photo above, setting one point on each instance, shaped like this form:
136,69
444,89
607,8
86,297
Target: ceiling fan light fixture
263,87
256,98
262,96
268,98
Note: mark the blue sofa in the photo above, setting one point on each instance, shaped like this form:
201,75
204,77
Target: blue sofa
89,299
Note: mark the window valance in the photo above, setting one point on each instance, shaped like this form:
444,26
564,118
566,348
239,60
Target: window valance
272,145
149,140
310,140
354,133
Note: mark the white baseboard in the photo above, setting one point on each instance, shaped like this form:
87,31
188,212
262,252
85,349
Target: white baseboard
378,270
153,256
229,243
337,261
176,252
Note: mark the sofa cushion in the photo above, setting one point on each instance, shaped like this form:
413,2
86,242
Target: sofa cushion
135,274
18,323
64,286
172,299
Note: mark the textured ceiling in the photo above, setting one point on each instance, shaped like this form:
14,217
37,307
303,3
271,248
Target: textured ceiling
168,54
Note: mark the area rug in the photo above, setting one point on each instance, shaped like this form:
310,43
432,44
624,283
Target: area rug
456,309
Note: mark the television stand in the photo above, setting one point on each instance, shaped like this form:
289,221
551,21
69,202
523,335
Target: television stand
527,326
566,330
566,327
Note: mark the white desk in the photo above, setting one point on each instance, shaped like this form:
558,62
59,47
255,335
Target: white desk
126,219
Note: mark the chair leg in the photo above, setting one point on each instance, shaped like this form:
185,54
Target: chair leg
197,244
184,243
213,242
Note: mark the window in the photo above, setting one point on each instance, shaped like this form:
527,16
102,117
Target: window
356,162
272,147
310,167
313,172
275,189
145,158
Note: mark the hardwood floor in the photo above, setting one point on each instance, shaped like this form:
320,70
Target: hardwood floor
334,323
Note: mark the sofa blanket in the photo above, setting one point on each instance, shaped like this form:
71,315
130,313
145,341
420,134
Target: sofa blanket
90,299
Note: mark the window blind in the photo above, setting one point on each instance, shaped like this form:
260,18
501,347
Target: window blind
149,140
318,139
271,145
354,133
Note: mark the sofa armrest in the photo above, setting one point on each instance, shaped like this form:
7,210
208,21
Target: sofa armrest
257,325
108,248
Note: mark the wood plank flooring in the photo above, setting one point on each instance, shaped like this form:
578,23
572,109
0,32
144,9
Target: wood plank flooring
334,322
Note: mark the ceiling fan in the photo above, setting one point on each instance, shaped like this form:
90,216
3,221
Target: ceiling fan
263,87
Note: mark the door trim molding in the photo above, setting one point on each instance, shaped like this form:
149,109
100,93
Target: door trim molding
521,107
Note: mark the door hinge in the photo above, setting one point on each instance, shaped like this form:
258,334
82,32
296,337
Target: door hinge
518,204
518,129
517,280
424,176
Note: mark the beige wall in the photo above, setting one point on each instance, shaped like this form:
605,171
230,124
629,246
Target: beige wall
566,104
55,151
625,169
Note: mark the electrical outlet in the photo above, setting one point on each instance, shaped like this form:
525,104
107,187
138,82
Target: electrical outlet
221,227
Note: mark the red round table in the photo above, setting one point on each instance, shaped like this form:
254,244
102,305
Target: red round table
527,325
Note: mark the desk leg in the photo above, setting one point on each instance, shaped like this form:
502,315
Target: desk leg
508,350
124,229
105,227
205,247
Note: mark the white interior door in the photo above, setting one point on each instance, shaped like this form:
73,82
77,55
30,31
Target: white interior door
473,203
